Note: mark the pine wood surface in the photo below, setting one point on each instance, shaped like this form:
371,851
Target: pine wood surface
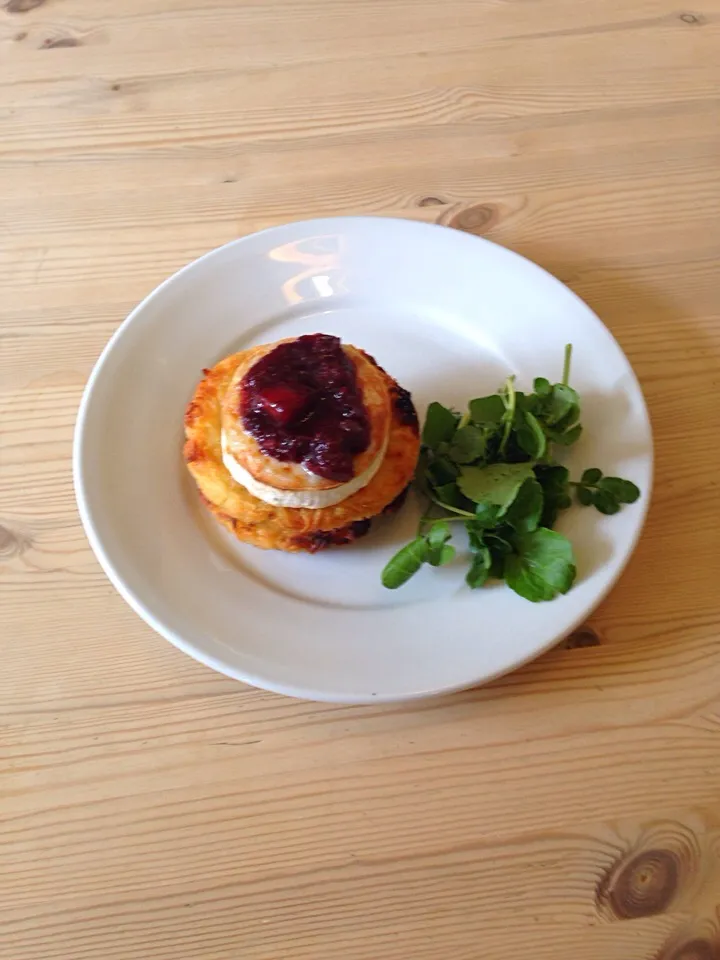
152,809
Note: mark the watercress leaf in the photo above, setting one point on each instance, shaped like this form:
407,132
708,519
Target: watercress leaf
441,471
498,544
440,424
438,534
497,565
497,483
475,536
564,390
524,513
449,494
479,569
421,473
624,491
487,409
446,492
569,420
605,502
532,403
591,476
487,513
554,481
447,554
552,477
405,563
584,496
436,537
542,567
549,516
542,387
468,444
530,436
568,438
512,452
559,403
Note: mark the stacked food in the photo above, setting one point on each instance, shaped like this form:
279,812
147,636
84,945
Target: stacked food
297,445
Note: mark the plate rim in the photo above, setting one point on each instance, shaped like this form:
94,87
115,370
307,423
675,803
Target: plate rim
263,683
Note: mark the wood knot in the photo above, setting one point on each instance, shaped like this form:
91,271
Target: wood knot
12,543
642,886
696,949
584,637
476,219
22,6
665,862
53,43
692,18
432,202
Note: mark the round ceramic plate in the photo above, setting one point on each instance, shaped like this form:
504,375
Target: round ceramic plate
449,316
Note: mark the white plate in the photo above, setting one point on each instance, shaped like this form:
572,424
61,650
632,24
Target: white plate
449,316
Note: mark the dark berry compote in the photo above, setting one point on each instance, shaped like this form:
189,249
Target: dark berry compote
302,403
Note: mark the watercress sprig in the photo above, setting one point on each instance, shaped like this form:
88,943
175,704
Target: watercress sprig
492,469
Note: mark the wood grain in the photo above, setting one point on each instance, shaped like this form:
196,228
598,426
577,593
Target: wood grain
150,808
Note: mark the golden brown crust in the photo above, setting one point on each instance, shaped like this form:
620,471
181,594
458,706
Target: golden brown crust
285,528
269,536
292,476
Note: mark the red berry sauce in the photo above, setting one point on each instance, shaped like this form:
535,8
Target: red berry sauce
302,404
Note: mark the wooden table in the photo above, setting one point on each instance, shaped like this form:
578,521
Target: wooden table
152,810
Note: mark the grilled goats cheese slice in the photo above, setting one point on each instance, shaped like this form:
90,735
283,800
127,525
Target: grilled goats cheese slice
309,499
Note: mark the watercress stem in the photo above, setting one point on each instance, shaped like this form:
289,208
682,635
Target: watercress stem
566,364
509,412
457,510
448,519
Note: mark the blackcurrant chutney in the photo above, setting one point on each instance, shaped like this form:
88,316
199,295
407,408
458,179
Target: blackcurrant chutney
302,403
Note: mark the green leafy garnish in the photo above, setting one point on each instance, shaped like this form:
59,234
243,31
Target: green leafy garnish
479,570
562,405
531,436
440,425
487,410
524,513
542,387
493,471
541,566
607,494
468,444
438,552
496,483
405,563
555,483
